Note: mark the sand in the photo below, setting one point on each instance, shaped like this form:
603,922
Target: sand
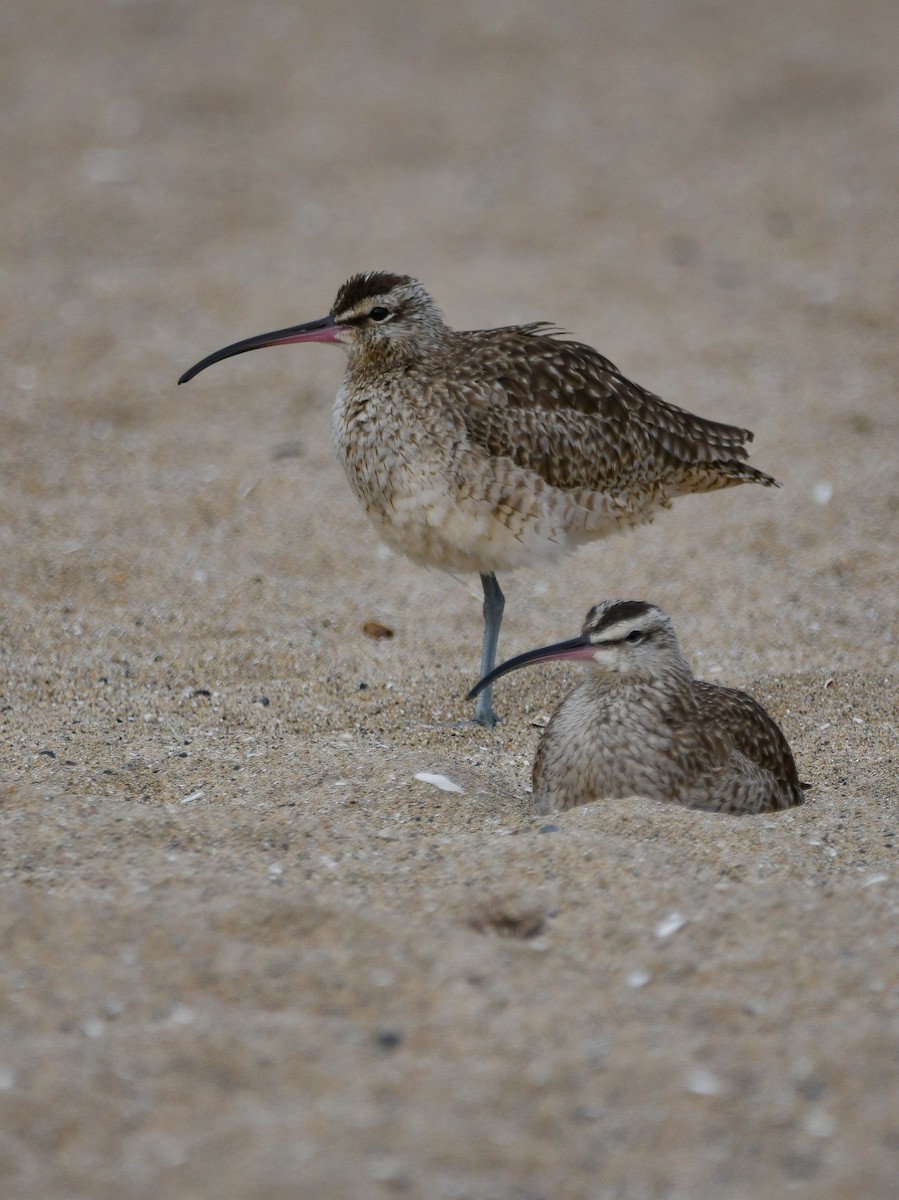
246,953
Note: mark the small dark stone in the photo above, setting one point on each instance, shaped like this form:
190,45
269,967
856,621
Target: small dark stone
586,1113
811,1088
287,450
263,700
201,692
363,687
802,1166
376,629
389,1039
47,753
548,829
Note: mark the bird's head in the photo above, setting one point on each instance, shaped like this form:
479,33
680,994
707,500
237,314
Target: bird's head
378,315
621,641
630,639
383,314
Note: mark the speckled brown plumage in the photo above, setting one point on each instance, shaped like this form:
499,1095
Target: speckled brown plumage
640,724
563,410
491,449
488,449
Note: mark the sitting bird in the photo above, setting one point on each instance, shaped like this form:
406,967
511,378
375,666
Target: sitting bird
639,724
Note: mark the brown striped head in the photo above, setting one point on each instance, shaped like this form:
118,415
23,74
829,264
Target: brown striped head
377,313
633,639
625,639
387,315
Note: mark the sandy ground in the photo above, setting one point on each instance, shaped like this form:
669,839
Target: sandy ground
245,952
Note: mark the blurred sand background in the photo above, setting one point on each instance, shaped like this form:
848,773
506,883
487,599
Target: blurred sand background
245,953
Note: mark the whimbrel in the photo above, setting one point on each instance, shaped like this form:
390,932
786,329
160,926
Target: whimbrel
495,448
640,724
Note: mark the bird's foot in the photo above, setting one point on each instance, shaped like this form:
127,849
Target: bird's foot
484,715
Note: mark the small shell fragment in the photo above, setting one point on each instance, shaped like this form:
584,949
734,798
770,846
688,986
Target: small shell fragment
671,924
439,781
701,1082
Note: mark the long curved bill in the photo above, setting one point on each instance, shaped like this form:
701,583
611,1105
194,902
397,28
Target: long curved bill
579,647
325,330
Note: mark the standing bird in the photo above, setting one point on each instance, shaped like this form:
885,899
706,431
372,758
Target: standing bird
639,724
494,448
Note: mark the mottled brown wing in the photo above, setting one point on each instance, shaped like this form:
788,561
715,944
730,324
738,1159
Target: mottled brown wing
696,743
750,730
563,410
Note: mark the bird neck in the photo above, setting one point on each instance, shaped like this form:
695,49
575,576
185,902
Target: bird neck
674,676
427,341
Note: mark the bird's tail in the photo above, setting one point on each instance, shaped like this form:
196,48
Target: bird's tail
712,476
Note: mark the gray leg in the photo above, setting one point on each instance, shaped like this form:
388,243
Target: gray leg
494,603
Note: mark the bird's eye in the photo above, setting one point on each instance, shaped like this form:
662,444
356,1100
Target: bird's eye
635,635
379,314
